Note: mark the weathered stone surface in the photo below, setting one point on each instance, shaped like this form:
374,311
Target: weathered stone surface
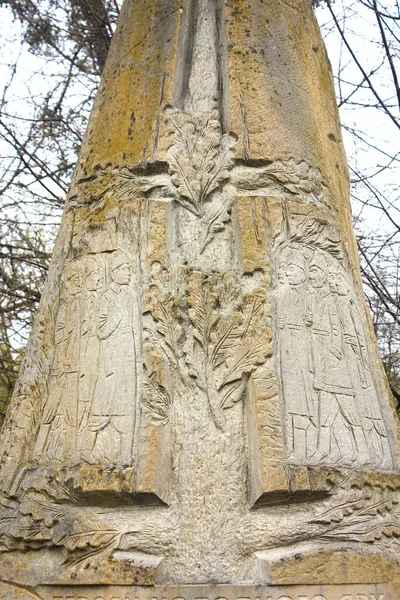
206,592
202,398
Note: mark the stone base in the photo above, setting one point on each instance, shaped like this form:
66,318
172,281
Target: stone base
204,592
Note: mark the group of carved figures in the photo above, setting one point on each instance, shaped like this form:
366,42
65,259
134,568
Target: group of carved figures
89,411
331,407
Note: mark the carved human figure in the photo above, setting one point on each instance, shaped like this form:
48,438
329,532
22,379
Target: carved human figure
58,431
90,344
340,436
111,422
294,353
356,356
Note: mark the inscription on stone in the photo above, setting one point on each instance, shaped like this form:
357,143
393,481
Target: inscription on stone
350,592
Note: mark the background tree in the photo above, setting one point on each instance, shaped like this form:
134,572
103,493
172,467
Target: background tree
363,39
53,54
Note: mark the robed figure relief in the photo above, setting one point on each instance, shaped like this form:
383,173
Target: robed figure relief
332,412
90,345
89,412
111,419
341,435
295,368
57,434
356,356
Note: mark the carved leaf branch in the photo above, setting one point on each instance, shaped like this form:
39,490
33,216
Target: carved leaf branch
223,344
200,158
244,361
121,183
229,353
167,323
202,312
40,519
96,536
156,401
311,232
363,515
216,222
296,177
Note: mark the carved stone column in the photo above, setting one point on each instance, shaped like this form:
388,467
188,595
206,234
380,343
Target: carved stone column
202,401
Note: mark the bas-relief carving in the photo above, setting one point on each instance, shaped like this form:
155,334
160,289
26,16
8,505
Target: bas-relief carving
360,513
331,406
212,335
200,159
205,333
89,411
224,341
282,178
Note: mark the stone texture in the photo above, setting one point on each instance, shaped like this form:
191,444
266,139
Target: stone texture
208,592
202,399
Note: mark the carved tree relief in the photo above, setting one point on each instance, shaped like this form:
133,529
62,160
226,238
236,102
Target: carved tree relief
224,342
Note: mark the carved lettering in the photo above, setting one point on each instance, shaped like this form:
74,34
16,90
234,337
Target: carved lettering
233,596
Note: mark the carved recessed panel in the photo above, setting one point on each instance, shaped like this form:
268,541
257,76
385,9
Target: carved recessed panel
89,411
331,406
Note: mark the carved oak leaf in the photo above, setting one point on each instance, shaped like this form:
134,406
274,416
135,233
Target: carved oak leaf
216,222
165,315
24,528
226,334
196,361
315,233
121,183
252,310
338,513
233,393
200,158
245,360
228,291
298,178
95,535
157,401
202,312
363,515
41,508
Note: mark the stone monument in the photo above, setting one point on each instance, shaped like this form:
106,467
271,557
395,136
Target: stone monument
201,411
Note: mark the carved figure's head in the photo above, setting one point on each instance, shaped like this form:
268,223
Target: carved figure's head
120,268
156,269
291,267
94,274
339,280
296,267
282,268
318,270
73,275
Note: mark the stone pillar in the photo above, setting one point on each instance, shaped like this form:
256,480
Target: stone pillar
202,409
